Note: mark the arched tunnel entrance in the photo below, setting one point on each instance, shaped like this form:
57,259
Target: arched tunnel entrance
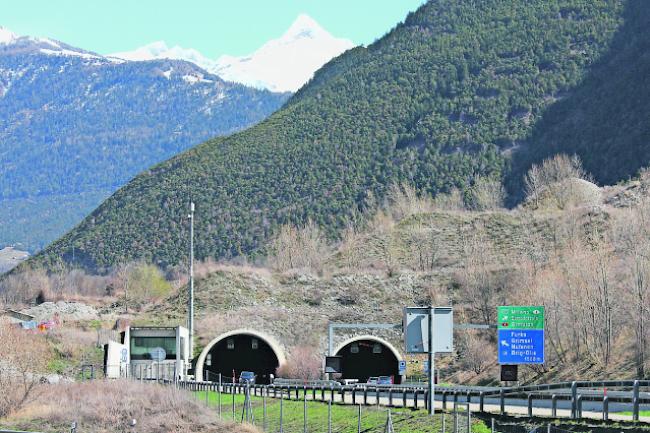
368,356
238,351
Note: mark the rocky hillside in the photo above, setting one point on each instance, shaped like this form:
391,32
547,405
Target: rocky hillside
587,264
444,98
474,261
75,126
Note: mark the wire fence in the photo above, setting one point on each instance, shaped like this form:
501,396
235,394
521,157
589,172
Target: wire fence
286,414
299,410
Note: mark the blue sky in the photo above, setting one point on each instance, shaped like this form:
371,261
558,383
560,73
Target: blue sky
213,27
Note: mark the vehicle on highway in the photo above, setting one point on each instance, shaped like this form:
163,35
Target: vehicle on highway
247,377
385,380
373,380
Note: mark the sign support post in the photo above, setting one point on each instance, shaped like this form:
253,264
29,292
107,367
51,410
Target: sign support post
429,330
432,386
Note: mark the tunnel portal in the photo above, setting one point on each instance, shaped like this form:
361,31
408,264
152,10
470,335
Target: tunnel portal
241,352
364,358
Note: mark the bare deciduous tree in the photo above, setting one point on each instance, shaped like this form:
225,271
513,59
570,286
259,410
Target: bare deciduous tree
303,363
382,245
299,248
403,201
632,239
554,180
23,357
486,194
476,353
452,201
477,277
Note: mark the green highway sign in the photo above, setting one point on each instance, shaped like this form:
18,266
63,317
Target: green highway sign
520,335
516,317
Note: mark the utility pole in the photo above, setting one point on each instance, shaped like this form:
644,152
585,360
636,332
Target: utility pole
126,289
190,309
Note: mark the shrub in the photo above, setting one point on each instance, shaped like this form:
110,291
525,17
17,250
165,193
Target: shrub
103,407
299,248
23,356
142,282
303,363
486,194
556,182
403,201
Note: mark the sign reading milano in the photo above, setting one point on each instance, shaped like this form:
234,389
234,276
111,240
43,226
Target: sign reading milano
521,335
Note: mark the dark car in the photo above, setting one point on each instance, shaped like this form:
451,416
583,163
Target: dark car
247,377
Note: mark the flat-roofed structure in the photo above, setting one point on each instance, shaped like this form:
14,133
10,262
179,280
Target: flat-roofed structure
149,352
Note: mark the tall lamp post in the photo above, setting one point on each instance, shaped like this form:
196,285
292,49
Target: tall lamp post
190,309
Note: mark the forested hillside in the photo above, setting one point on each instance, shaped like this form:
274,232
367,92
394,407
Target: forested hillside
606,119
75,126
442,99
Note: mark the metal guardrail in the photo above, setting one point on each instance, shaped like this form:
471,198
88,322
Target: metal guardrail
577,392
417,398
299,382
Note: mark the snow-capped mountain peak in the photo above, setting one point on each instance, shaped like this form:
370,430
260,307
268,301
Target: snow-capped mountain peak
280,65
160,50
148,52
304,26
10,43
287,63
7,36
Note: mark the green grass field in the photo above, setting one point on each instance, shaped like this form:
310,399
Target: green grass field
344,417
641,413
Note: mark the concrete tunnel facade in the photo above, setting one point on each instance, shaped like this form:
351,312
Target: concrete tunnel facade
240,350
366,356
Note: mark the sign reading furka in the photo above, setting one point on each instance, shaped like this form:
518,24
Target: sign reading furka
521,334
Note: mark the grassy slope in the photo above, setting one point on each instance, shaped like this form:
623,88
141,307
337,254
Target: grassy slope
436,102
344,418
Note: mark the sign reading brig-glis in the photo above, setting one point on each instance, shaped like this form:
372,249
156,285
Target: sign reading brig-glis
521,335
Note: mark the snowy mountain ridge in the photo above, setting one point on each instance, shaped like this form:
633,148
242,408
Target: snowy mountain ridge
281,65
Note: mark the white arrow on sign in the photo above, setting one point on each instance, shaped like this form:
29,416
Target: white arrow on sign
504,343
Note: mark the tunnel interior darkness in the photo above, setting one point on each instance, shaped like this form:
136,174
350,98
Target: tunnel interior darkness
239,353
362,359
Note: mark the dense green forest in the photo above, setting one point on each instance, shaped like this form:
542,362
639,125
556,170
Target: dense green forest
606,118
73,130
445,97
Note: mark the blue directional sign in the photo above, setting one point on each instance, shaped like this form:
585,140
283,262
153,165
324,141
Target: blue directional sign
521,346
402,367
